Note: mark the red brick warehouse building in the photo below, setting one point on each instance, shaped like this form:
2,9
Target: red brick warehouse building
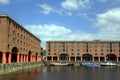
16,43
100,51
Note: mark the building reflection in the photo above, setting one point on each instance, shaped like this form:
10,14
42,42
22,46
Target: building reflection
27,74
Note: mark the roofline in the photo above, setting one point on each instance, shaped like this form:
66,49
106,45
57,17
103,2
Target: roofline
87,41
5,15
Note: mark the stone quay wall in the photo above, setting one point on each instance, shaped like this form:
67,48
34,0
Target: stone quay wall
8,68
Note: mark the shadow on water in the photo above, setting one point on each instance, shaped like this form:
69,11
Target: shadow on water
65,73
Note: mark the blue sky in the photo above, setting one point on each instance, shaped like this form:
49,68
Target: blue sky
66,19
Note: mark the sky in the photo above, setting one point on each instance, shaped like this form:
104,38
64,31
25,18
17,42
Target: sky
52,20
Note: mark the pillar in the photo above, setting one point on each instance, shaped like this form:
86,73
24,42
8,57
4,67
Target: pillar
34,58
26,59
75,58
40,58
46,58
69,58
105,58
3,58
52,58
18,56
98,59
117,59
58,59
30,58
92,59
21,59
9,58
81,59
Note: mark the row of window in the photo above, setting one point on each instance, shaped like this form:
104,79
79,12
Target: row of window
87,50
79,54
86,44
105,46
21,49
20,29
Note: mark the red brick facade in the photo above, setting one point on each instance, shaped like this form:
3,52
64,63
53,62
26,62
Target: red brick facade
15,39
83,50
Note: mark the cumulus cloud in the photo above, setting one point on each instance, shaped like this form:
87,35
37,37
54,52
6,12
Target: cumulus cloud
4,1
48,32
66,7
74,4
109,24
46,8
104,1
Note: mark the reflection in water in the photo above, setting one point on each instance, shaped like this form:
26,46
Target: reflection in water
65,73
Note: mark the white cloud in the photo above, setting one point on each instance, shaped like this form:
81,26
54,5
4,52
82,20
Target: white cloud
46,8
109,24
4,1
55,32
104,1
67,7
63,12
74,4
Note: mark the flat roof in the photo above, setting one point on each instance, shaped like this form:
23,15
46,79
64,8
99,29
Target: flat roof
87,41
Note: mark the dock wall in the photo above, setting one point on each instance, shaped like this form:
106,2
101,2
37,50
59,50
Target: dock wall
8,68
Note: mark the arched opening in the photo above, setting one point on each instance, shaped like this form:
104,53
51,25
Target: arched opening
111,57
36,56
72,58
7,56
14,54
29,56
78,58
96,59
49,58
63,57
102,59
0,57
54,58
87,57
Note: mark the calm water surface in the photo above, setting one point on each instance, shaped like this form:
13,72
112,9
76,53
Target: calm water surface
65,73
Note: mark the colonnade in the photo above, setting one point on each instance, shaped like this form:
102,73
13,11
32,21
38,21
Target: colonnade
20,58
81,59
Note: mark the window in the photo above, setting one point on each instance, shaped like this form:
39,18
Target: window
89,49
95,50
101,50
72,53
95,46
101,53
54,49
54,53
48,53
78,53
55,46
78,49
78,46
48,50
8,46
95,53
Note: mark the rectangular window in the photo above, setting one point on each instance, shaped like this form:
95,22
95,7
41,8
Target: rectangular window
48,50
